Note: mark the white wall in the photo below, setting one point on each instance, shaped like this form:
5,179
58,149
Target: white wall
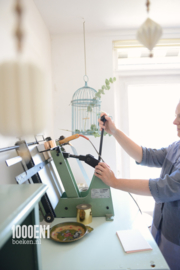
68,71
37,48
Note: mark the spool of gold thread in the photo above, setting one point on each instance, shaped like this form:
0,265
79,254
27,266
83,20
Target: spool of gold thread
84,213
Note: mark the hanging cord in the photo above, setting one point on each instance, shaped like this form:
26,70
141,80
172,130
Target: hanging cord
148,9
147,5
84,48
19,32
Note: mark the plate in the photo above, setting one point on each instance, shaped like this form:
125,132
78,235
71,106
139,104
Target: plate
67,232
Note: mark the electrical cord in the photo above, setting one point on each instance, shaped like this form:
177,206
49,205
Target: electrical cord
64,141
96,151
135,202
92,145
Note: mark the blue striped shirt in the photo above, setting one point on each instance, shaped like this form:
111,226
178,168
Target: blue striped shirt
166,193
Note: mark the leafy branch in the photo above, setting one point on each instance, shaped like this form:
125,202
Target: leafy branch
100,92
94,129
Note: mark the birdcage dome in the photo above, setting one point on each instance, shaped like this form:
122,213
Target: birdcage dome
85,96
85,110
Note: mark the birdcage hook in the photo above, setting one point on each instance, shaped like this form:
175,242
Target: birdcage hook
85,78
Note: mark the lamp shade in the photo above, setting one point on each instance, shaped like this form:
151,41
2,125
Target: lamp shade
149,33
22,99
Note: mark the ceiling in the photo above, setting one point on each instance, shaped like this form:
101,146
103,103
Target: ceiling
65,16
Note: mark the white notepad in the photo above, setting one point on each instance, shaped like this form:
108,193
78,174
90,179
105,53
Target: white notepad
133,241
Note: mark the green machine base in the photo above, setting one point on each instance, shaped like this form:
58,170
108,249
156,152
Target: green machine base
98,194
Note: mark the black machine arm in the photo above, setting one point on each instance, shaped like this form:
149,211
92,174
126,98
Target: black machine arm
103,119
89,159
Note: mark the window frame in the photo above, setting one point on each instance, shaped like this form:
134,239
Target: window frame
125,80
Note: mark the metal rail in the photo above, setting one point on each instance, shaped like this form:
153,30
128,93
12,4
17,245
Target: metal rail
17,146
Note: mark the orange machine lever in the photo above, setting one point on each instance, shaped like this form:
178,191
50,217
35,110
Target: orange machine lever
73,137
70,138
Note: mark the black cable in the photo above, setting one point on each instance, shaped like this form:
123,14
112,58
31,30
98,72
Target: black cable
135,202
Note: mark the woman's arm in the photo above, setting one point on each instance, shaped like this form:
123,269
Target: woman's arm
133,149
136,186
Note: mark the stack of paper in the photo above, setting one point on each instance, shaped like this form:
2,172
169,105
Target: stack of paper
133,241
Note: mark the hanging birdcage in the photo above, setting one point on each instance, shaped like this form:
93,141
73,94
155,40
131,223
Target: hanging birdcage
86,106
85,111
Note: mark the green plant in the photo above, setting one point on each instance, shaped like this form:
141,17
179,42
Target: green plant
100,92
94,128
95,132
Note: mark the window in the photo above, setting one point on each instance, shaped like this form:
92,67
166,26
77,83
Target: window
151,110
146,94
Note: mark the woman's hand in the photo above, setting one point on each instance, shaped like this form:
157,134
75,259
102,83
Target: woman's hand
109,124
136,186
103,171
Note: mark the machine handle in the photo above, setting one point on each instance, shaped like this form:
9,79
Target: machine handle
103,119
66,140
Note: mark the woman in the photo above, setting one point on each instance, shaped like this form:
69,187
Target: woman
165,189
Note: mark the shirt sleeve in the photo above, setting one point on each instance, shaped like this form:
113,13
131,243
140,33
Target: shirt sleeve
153,157
166,189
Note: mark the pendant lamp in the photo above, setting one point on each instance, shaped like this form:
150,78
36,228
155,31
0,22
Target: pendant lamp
149,32
22,92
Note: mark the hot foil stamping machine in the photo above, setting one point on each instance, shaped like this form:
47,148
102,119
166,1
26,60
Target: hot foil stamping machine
98,194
